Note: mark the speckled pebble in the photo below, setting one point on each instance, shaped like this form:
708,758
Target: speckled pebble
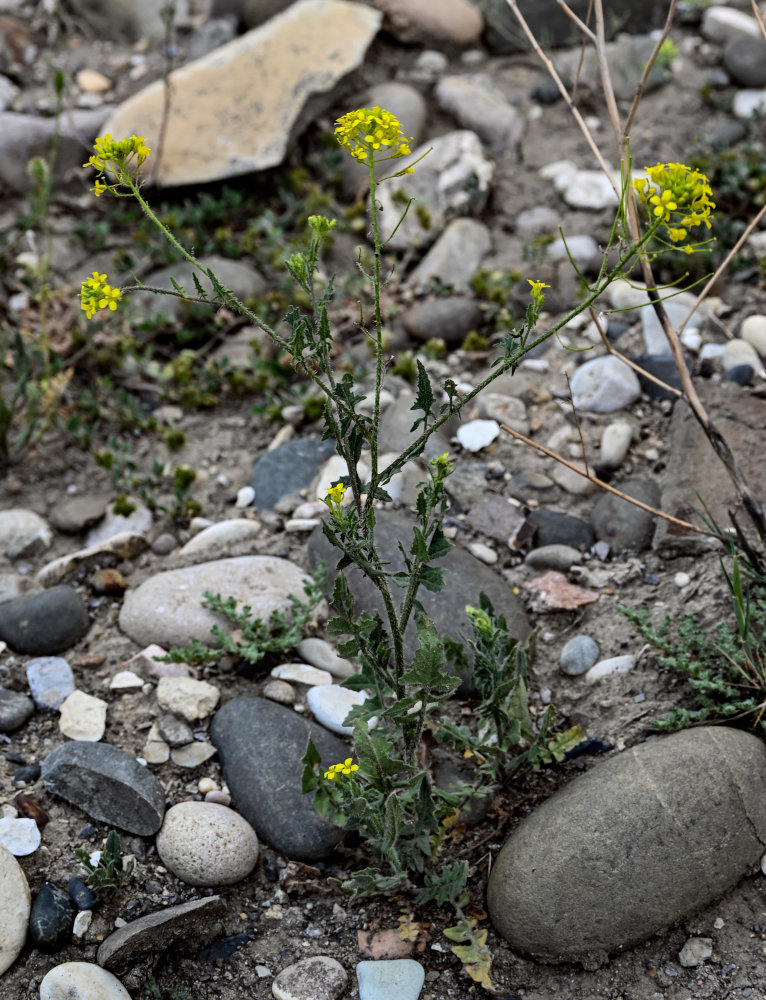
695,952
50,680
81,981
207,844
279,691
316,978
578,655
613,665
402,978
187,697
15,709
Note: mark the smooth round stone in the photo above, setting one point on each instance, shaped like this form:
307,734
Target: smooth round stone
215,540
504,409
77,514
167,608
626,850
193,754
740,352
553,527
483,552
206,844
448,319
15,902
720,23
753,330
320,978
319,653
749,102
187,697
477,434
606,668
299,673
138,521
279,691
475,104
454,258
15,710
19,836
83,717
745,59
245,497
82,896
46,623
81,981
615,444
740,374
50,680
578,655
331,704
50,923
604,385
583,250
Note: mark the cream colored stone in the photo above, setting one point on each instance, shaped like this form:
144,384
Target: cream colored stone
207,844
83,717
93,82
156,750
15,904
189,698
234,110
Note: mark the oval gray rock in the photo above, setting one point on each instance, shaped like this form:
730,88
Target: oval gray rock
106,783
637,844
45,623
261,745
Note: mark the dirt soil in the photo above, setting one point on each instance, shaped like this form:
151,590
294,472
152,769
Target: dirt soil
286,911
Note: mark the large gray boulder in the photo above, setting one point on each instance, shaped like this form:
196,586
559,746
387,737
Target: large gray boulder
637,844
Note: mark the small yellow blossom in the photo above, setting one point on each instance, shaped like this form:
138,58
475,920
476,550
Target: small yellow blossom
538,296
334,500
96,294
369,132
336,770
120,156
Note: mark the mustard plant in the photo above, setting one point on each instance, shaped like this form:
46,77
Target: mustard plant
384,790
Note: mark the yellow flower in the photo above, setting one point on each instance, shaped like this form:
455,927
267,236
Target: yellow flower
120,156
96,294
336,770
367,131
110,297
336,493
538,296
674,193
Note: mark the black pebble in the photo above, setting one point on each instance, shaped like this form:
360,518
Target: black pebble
83,897
29,773
53,913
270,869
222,950
741,374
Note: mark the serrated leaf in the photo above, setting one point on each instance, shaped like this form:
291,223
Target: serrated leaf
432,578
424,397
419,549
198,286
476,960
178,288
439,545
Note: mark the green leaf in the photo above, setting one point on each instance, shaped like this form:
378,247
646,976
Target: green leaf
198,286
439,545
432,578
424,398
178,288
419,549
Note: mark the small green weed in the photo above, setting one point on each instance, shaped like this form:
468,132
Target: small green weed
111,871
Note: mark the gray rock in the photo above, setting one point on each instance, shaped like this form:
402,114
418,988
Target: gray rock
604,384
23,534
454,258
745,59
45,623
620,523
616,439
453,23
139,521
123,21
578,655
13,585
582,249
187,925
740,352
238,277
50,680
77,514
207,844
555,528
257,12
536,221
15,709
395,433
663,367
695,952
626,851
81,981
402,978
720,24
449,319
288,469
261,745
492,515
477,105
559,557
174,731
167,608
106,783
465,578
453,180
25,136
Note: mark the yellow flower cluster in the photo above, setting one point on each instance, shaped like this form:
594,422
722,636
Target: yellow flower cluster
334,499
117,155
96,294
336,770
368,131
678,196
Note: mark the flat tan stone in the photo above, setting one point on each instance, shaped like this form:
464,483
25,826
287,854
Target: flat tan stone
234,110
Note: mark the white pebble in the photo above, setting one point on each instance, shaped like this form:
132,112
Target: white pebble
218,796
682,580
126,680
483,552
19,836
205,785
331,704
245,496
83,717
319,653
81,981
299,673
81,924
296,524
605,668
477,434
691,338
